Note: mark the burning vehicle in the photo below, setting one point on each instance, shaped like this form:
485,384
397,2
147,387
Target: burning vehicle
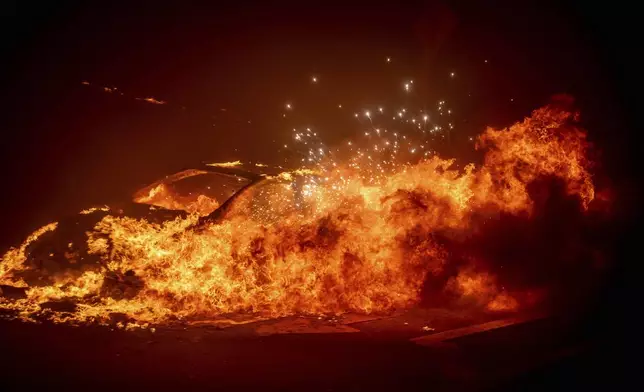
214,192
361,235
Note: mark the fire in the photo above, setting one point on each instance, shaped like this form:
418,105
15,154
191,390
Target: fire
14,259
226,164
537,147
162,196
152,100
367,240
94,209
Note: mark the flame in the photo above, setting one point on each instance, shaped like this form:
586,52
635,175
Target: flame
152,100
226,164
161,196
537,147
14,259
94,209
354,238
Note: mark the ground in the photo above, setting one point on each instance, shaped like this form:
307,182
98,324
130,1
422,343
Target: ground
296,353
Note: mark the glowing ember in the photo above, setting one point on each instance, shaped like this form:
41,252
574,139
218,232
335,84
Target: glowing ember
359,234
152,100
226,164
94,209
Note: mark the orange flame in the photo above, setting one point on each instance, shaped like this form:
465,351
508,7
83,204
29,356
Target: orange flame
152,100
226,164
361,246
161,196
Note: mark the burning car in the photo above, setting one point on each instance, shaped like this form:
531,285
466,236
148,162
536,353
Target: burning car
342,237
213,192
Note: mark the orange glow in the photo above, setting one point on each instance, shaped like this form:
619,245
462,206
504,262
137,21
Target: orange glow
152,100
161,196
94,209
226,164
364,243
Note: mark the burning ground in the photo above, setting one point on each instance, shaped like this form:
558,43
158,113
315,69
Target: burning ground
377,237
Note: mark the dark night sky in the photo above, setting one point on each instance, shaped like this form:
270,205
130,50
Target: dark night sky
66,146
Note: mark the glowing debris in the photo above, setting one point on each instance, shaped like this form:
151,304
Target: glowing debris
94,209
226,164
152,100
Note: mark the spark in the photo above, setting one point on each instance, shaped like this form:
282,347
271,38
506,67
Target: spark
388,59
314,79
452,74
288,106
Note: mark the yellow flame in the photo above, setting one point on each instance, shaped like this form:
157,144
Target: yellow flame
225,164
347,243
94,209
